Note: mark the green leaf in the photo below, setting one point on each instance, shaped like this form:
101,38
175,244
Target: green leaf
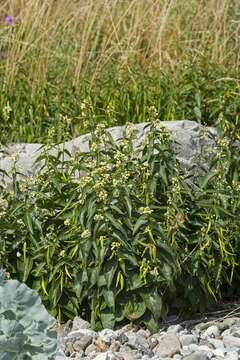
151,323
28,220
162,172
116,224
28,264
93,274
153,302
128,205
109,271
109,298
107,319
210,175
141,221
134,281
134,309
131,258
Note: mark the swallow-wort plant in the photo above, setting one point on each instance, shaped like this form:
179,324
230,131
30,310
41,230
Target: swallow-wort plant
117,234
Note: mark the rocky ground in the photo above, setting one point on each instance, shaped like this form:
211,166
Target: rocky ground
216,339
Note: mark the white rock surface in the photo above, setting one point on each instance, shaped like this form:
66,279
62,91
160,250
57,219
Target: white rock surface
191,138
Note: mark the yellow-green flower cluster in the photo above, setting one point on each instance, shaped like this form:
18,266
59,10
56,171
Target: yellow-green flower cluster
236,185
94,146
85,180
98,217
120,158
85,234
131,130
176,188
102,195
114,248
145,210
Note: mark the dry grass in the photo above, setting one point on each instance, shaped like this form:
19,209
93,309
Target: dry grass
83,36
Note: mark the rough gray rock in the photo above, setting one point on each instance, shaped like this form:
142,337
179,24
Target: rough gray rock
191,138
197,355
175,342
188,339
168,345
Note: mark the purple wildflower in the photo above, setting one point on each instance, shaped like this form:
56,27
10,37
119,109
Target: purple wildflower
4,55
9,20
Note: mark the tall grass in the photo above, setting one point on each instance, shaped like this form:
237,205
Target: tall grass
58,50
85,35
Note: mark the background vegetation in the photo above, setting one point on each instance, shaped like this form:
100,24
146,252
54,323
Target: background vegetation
117,251
71,64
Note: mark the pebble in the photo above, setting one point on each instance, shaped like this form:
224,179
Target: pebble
188,339
168,345
214,340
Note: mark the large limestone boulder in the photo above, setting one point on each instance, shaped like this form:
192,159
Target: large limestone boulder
192,138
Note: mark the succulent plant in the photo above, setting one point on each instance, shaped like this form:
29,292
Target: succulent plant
26,328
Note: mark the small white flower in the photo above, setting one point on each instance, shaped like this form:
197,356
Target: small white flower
94,147
85,234
67,222
145,210
98,217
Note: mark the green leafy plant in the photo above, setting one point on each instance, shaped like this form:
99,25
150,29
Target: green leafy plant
129,238
26,329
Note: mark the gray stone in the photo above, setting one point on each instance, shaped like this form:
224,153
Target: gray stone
69,349
122,337
82,332
227,323
79,323
135,341
197,355
203,326
82,343
188,339
77,355
102,356
235,329
140,344
226,332
144,333
174,329
231,341
152,341
207,349
90,349
101,346
235,333
232,356
191,138
168,345
212,331
219,352
107,335
187,350
128,356
115,346
176,343
193,347
177,357
216,343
